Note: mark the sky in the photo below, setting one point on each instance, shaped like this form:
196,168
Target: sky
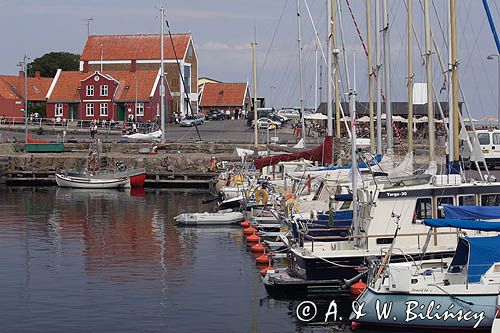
223,30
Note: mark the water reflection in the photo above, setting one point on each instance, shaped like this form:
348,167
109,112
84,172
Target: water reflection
78,260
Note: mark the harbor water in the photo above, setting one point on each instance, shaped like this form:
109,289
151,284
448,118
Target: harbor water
109,260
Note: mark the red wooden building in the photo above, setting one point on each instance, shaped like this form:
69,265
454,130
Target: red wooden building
12,94
111,95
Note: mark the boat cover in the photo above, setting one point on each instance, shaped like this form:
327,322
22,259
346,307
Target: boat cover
322,154
339,215
463,224
362,165
472,212
478,253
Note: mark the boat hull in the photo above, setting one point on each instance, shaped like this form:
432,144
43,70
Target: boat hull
91,183
427,310
137,177
307,273
209,218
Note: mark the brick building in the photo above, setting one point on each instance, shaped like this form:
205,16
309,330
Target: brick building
116,95
143,52
12,94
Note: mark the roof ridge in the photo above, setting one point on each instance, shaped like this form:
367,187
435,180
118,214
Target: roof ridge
141,34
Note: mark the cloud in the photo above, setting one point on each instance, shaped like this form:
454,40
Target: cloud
220,46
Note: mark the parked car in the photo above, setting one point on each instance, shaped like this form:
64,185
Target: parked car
277,117
192,120
289,113
215,115
265,123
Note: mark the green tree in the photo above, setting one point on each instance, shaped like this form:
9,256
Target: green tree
49,63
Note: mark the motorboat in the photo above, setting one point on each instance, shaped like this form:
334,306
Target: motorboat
206,218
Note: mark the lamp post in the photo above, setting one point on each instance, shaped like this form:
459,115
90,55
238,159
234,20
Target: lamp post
271,95
24,66
135,107
491,57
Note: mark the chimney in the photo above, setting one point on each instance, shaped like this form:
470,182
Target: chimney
37,74
133,65
21,73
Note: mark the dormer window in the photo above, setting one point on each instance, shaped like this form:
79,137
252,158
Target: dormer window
104,90
90,91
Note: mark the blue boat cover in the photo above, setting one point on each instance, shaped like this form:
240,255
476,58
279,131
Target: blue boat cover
472,212
339,215
478,253
463,224
343,197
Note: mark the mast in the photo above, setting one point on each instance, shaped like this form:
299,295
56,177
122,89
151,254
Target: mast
370,74
255,127
336,70
301,74
354,163
329,106
162,79
428,67
378,77
387,78
316,76
449,151
454,79
410,77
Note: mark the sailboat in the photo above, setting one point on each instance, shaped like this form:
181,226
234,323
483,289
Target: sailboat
460,292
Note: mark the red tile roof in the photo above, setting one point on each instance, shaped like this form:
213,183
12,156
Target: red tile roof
223,94
129,47
12,87
66,87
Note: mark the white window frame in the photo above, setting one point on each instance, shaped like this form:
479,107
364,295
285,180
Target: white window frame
89,90
139,109
58,110
104,90
89,109
104,107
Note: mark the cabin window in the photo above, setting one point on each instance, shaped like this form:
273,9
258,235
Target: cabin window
139,109
490,200
89,110
104,109
423,209
384,240
441,201
467,200
104,90
58,110
484,138
90,91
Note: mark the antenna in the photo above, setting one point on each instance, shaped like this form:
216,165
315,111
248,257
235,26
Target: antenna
88,25
254,30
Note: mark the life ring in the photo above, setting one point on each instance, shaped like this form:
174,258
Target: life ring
261,196
292,205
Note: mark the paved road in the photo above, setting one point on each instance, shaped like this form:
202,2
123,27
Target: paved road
220,131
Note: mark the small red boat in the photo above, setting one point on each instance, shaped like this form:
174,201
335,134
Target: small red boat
136,176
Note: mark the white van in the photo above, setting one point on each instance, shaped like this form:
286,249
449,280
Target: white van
489,143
